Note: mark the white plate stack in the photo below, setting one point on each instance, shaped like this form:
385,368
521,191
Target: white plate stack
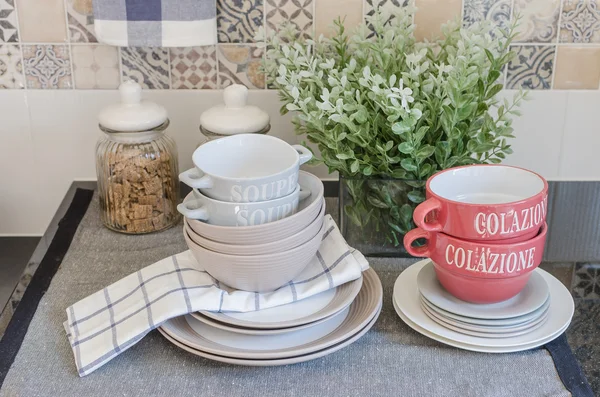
287,334
538,314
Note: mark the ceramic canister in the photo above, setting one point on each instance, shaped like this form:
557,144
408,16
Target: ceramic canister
484,202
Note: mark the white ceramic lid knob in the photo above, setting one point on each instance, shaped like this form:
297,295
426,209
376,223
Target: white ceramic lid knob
235,116
235,96
131,92
132,114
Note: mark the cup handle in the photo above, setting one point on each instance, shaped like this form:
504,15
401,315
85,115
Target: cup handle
305,154
415,234
193,179
304,194
424,209
195,213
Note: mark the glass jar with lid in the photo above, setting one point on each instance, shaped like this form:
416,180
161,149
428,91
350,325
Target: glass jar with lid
234,116
136,165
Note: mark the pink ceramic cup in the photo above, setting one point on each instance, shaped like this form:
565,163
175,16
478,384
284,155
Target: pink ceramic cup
484,203
491,260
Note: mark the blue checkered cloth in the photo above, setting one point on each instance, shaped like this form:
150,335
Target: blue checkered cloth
110,321
155,23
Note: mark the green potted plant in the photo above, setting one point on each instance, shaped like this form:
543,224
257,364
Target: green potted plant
387,112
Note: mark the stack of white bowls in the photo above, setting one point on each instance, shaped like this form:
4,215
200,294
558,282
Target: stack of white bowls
253,220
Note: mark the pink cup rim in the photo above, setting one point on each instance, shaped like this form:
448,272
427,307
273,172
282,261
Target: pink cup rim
541,193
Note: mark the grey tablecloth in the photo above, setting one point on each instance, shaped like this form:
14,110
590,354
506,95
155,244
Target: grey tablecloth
389,360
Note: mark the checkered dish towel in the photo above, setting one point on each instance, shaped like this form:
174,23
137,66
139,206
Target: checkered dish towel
110,321
155,23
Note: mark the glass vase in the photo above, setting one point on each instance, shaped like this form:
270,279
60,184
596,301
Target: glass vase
376,213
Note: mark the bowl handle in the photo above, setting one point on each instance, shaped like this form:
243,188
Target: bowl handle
423,210
415,234
193,179
305,154
193,213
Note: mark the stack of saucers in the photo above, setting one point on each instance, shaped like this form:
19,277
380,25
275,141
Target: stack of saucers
535,316
287,334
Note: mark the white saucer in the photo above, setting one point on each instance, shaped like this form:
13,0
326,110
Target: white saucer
528,300
406,297
490,329
505,334
474,348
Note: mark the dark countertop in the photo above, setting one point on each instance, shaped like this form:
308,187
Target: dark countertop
580,274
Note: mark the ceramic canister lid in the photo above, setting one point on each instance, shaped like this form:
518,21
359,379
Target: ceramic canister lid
132,114
235,116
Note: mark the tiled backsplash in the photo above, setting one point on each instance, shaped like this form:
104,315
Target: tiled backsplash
50,44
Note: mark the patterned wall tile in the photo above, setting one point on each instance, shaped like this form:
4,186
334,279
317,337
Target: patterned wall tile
81,21
148,66
496,11
194,68
238,20
95,66
532,67
240,64
47,66
580,21
299,12
371,5
8,22
11,67
539,23
586,281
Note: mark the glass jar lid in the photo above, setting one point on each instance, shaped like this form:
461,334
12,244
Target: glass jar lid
132,114
235,116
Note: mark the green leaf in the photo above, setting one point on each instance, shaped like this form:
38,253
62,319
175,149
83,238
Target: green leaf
344,156
374,201
420,134
493,76
480,88
425,170
389,145
493,91
465,111
424,152
406,213
354,166
409,165
495,160
401,127
368,170
406,148
484,147
416,196
399,173
489,55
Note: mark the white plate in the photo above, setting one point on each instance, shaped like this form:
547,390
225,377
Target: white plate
528,300
406,296
506,334
340,327
305,311
253,331
507,323
474,348
274,362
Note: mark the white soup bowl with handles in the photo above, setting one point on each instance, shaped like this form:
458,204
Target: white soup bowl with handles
223,213
246,168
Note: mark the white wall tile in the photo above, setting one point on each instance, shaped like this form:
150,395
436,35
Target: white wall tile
580,154
538,132
19,192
